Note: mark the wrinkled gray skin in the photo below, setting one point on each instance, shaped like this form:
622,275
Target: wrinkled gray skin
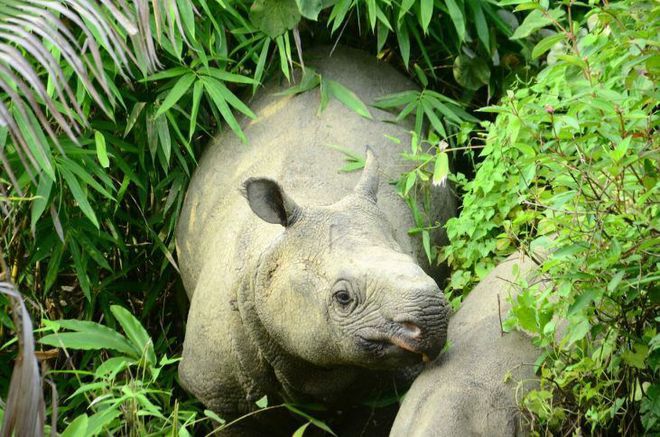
474,387
307,286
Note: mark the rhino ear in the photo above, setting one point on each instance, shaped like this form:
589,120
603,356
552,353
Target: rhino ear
368,184
268,200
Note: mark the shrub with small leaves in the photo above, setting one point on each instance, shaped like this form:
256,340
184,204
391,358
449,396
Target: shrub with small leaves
570,167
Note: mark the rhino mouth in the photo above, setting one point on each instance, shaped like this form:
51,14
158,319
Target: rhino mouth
398,346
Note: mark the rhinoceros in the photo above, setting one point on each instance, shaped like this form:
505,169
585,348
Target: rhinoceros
475,387
304,282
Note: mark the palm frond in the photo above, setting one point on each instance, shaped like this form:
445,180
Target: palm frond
48,45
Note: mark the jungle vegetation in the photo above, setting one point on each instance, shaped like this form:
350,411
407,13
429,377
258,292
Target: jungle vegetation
546,110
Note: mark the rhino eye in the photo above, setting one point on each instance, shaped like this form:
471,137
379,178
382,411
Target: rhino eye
343,297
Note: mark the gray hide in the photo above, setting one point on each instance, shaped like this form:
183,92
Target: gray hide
473,387
309,289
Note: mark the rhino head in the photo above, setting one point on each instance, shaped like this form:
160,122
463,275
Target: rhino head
336,289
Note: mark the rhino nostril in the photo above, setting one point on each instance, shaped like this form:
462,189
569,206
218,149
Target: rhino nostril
411,330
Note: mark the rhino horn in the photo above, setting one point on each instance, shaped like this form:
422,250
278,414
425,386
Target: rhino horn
367,186
269,202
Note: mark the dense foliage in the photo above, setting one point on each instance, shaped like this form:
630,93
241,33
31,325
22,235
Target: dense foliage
104,113
570,169
105,110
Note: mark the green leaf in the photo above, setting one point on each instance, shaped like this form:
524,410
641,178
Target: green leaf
102,419
301,431
425,13
213,416
101,151
226,76
405,7
637,356
274,17
53,265
263,402
132,118
410,182
77,428
167,74
284,59
41,201
84,176
79,196
187,16
403,39
314,421
135,332
397,99
441,168
536,20
472,73
372,8
616,280
324,97
164,138
311,8
426,242
433,119
221,104
310,79
480,23
178,90
89,336
457,18
546,44
348,98
261,64
194,110
577,331
231,97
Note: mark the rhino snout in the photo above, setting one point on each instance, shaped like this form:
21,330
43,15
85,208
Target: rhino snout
406,339
427,341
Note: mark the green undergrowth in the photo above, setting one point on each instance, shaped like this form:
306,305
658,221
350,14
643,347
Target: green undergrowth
570,168
92,180
568,162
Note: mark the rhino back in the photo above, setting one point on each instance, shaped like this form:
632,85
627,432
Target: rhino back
473,388
289,142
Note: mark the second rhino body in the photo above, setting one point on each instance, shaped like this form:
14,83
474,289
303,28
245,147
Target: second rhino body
307,287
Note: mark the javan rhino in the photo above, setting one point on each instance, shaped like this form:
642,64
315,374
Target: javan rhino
306,286
475,386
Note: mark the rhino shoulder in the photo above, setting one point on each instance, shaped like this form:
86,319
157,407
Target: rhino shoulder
475,386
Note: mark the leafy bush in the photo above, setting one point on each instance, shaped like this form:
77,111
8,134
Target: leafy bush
570,166
103,113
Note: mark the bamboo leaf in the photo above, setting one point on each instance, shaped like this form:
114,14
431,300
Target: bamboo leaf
231,97
89,336
196,99
403,39
425,14
457,18
41,202
433,118
221,104
178,90
79,196
101,151
226,76
135,332
348,98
